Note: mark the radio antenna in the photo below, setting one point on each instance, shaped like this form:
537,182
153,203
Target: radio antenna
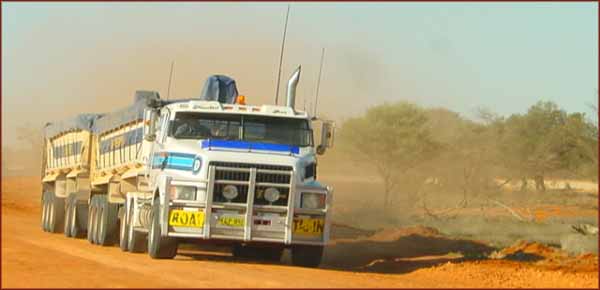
170,78
319,81
281,54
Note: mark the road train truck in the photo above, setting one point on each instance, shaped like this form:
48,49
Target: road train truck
210,169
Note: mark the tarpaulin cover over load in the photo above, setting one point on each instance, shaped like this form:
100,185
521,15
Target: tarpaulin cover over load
219,88
79,122
126,115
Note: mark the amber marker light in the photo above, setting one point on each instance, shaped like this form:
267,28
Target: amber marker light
241,99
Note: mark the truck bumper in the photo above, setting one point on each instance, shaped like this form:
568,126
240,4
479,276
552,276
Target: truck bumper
247,222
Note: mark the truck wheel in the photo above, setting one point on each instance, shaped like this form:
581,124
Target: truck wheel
68,217
57,214
91,228
136,242
106,221
270,254
81,217
240,251
306,256
160,247
123,230
45,211
73,215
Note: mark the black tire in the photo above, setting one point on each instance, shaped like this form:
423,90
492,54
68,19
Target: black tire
270,254
106,222
160,247
136,243
75,227
44,211
307,256
68,217
57,214
82,216
92,220
124,230
240,251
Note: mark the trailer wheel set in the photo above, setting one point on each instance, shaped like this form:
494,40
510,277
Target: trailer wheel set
52,212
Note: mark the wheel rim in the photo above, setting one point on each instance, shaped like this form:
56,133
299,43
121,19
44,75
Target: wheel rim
66,229
51,218
95,225
123,233
47,218
73,220
130,229
44,214
151,238
101,225
92,228
90,222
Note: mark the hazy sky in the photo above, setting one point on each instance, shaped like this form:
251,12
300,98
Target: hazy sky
62,59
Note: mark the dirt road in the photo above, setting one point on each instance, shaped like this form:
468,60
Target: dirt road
32,258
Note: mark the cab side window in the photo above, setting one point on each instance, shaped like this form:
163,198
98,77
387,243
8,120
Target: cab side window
161,126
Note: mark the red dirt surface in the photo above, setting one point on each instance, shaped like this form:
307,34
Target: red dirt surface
411,257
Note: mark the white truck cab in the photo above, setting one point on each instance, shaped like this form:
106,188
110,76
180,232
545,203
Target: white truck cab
232,173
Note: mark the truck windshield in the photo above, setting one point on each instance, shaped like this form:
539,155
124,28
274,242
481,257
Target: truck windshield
276,130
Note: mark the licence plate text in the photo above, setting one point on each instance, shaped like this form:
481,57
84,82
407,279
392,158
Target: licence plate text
309,226
182,218
231,221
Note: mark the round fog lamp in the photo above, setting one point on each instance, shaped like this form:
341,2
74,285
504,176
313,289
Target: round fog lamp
230,192
271,194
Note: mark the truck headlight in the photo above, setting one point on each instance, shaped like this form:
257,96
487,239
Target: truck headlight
312,200
271,194
183,192
230,192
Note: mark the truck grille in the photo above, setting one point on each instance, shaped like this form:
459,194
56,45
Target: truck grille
282,178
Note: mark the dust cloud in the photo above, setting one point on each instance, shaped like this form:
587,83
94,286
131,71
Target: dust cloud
353,80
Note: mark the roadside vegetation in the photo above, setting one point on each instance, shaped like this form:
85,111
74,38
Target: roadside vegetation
492,178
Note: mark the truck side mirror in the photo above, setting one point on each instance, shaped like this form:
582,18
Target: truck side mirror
150,125
327,134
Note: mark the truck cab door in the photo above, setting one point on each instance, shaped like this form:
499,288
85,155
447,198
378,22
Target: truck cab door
160,133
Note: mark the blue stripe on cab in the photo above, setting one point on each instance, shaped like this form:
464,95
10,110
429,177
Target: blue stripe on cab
180,161
245,145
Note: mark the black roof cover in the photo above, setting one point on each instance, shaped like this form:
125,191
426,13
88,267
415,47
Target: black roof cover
219,88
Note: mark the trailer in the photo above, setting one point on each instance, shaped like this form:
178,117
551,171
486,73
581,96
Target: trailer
210,169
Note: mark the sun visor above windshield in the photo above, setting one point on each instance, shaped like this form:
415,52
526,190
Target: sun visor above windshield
220,88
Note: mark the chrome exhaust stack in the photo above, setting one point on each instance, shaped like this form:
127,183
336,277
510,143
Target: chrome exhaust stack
291,88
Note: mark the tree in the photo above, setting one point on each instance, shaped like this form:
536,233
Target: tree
392,137
466,162
546,140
